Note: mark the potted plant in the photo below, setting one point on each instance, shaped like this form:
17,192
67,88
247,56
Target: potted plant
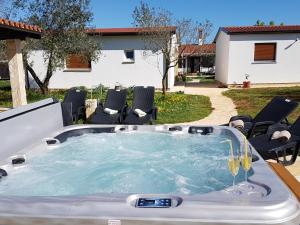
246,82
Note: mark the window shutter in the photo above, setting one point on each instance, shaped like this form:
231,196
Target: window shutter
265,51
76,61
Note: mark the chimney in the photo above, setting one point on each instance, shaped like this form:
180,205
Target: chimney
200,35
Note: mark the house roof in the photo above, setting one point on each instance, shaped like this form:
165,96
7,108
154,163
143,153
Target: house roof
197,49
235,30
16,30
262,29
127,31
11,29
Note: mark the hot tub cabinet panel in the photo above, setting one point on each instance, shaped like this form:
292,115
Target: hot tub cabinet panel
275,206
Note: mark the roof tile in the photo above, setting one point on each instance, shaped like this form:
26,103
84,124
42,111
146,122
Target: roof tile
125,31
197,49
262,29
20,25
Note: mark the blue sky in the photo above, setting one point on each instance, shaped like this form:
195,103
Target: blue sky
118,13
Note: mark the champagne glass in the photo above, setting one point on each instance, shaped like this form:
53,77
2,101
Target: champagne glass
233,163
246,160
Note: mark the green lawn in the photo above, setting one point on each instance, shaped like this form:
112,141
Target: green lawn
32,95
251,101
172,108
207,80
178,108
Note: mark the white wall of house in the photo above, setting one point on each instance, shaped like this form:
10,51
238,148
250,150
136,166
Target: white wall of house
240,58
111,68
222,57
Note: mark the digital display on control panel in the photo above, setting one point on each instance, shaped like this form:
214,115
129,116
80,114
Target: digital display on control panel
154,203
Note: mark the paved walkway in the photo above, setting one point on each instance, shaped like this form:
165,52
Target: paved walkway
295,169
223,107
2,109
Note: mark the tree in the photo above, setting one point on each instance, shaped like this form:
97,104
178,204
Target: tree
8,9
157,24
64,25
271,23
260,23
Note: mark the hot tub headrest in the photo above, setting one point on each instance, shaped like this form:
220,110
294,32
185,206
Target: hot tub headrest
24,125
26,108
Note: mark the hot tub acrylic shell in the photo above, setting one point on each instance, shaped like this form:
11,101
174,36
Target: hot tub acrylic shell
279,206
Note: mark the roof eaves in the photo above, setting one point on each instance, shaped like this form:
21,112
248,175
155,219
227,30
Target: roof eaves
218,33
264,32
123,31
17,30
19,26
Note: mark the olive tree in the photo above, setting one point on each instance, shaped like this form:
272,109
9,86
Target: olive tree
157,24
64,24
9,9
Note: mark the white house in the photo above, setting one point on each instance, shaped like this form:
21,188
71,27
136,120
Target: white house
123,60
269,54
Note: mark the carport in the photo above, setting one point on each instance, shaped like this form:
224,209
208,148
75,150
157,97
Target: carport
14,33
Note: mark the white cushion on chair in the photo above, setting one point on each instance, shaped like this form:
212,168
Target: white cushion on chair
140,112
238,124
281,135
110,111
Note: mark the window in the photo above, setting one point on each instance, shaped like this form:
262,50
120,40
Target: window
265,52
78,62
128,56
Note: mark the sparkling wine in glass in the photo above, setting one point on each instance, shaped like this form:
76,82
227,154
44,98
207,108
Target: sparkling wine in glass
246,160
233,163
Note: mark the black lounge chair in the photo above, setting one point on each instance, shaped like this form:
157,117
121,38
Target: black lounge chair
66,110
143,99
73,105
275,111
115,100
277,149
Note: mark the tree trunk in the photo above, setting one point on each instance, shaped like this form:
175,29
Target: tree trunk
43,85
164,81
44,89
48,76
165,76
27,79
34,76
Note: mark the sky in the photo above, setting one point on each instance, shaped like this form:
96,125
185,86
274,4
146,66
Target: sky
118,13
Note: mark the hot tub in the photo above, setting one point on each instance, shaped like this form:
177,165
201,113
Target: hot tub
103,174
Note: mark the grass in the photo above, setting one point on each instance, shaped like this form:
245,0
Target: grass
251,101
179,108
207,80
172,108
202,79
32,95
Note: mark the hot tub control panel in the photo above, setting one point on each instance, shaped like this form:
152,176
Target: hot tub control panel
153,203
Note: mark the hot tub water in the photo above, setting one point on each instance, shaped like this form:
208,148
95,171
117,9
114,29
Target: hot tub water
133,162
